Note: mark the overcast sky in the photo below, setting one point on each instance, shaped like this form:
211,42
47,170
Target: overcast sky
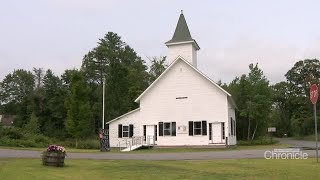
56,34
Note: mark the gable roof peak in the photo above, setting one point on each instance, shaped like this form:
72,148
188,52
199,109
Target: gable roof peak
179,58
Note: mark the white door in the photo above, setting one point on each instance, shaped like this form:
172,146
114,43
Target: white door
216,133
150,134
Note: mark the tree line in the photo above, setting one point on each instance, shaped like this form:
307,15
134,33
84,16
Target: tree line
70,105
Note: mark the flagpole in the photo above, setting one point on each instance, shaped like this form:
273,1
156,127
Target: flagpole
316,129
103,100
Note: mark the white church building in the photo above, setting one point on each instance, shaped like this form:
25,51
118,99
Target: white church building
182,107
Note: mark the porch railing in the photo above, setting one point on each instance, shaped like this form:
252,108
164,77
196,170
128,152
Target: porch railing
135,140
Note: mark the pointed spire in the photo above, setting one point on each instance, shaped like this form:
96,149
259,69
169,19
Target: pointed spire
182,32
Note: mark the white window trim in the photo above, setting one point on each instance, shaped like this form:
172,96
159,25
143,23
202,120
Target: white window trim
125,131
194,127
170,128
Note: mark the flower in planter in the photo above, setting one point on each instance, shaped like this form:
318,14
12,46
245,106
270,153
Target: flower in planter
56,149
54,155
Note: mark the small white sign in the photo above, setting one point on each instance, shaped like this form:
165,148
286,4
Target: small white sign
182,129
271,129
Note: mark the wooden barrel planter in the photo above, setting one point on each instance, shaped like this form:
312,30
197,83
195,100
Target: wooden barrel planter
53,159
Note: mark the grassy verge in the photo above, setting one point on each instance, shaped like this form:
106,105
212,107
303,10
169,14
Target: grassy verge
70,150
130,169
163,150
186,149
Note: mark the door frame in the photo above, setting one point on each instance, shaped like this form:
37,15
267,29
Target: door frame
212,132
154,138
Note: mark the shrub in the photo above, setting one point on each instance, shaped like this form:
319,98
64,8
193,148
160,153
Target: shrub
89,144
13,133
260,141
39,139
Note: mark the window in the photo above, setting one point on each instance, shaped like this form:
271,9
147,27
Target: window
125,130
197,128
167,128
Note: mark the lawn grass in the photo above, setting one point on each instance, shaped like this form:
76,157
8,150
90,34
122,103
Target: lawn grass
186,149
71,150
162,150
132,169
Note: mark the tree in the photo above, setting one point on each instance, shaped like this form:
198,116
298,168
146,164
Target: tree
253,96
282,108
38,74
16,93
299,78
157,67
53,112
79,123
16,86
32,126
302,75
125,74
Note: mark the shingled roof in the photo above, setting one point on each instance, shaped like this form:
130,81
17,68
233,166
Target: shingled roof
182,33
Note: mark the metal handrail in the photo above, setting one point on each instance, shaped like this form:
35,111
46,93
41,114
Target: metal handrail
135,140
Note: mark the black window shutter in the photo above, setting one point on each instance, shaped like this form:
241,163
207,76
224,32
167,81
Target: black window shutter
223,131
130,130
204,128
173,129
234,127
144,132
231,126
160,128
190,128
210,131
155,132
120,130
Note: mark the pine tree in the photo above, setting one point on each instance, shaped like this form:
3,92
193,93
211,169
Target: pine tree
79,122
32,126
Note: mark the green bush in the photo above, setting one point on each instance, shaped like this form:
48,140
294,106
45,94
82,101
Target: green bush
14,137
39,139
89,144
260,141
13,133
5,141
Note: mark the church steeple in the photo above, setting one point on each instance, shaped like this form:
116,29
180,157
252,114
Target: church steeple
182,43
182,32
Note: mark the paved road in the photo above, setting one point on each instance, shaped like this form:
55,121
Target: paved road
234,154
299,143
